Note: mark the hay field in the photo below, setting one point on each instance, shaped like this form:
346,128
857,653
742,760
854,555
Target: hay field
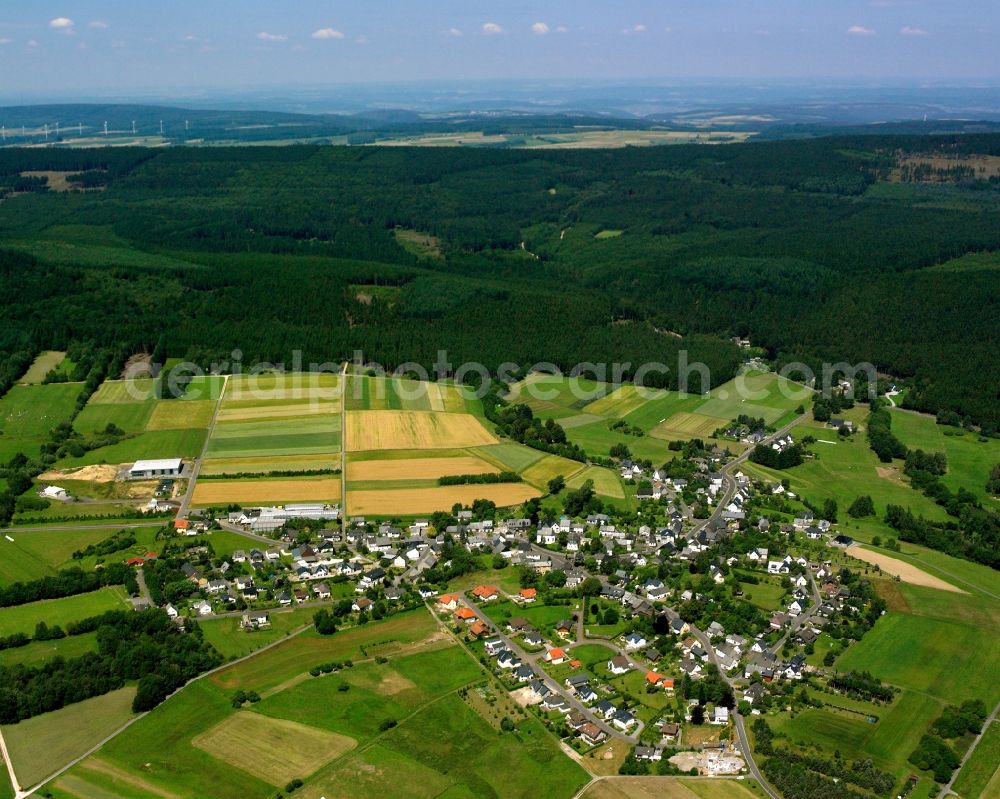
906,572
123,391
623,400
257,492
687,425
275,750
367,430
278,409
418,468
288,385
181,414
411,501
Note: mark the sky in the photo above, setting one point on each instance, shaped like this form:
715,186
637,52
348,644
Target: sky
133,45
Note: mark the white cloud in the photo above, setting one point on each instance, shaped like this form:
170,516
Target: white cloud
264,36
491,29
639,28
5,40
860,30
64,24
456,32
362,39
909,30
540,29
327,33
32,43
562,29
98,24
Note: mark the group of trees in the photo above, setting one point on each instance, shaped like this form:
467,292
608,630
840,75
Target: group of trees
145,647
786,458
67,582
973,534
880,436
485,478
519,423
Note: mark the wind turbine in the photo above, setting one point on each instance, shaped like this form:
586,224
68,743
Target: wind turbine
105,127
133,127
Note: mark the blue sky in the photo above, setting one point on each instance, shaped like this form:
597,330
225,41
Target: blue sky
141,44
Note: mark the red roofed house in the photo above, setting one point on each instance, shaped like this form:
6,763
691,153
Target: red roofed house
181,524
555,656
448,601
653,678
134,562
575,664
528,594
478,628
465,614
485,593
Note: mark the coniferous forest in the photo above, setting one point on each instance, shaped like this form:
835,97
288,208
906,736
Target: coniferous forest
810,248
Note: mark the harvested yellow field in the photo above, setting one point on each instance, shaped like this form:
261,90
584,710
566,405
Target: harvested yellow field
181,414
246,412
906,572
275,750
434,397
270,463
409,501
687,425
418,468
258,492
381,430
667,788
291,385
541,471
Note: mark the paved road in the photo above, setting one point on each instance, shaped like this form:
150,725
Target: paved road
140,578
534,660
947,789
196,466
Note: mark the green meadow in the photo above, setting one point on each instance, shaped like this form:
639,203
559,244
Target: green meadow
28,413
23,618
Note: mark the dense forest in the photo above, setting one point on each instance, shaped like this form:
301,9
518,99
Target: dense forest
800,245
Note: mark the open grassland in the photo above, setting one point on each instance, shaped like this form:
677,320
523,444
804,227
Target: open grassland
278,463
23,618
419,758
556,396
307,435
400,394
410,501
232,641
37,553
28,413
296,656
367,430
41,745
152,444
37,653
271,491
605,481
275,750
980,776
418,468
945,659
758,394
130,417
970,457
42,365
124,392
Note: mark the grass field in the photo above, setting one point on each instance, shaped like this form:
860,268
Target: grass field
232,641
606,482
510,456
618,403
758,394
124,392
39,652
42,365
418,468
130,417
368,430
980,776
270,491
410,501
28,413
37,553
969,458
180,414
42,744
541,471
153,444
275,750
942,658
23,618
